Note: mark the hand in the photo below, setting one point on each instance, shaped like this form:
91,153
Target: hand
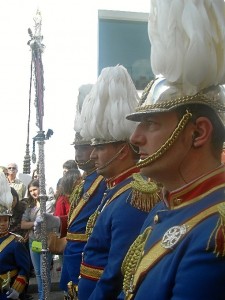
12,294
52,223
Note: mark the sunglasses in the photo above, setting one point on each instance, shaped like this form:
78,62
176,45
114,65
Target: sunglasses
11,168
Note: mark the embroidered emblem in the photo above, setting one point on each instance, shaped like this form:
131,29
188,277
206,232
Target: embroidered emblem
172,236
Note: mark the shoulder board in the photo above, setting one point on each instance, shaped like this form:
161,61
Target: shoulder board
18,237
145,193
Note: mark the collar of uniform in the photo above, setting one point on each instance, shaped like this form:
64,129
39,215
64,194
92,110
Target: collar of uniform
195,190
117,179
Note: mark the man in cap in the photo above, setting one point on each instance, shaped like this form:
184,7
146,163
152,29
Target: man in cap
119,217
14,257
84,200
180,253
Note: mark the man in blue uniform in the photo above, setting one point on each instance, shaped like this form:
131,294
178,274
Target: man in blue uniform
84,200
14,257
119,217
180,253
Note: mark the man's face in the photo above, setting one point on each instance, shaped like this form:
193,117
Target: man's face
12,170
82,157
150,135
103,157
4,223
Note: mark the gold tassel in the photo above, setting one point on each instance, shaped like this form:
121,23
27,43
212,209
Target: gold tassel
145,194
218,235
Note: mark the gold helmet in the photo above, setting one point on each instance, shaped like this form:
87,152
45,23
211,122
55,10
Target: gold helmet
161,96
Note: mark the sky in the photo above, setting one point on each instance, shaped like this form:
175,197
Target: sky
69,29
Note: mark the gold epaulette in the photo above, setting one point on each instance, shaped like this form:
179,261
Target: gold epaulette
217,238
145,193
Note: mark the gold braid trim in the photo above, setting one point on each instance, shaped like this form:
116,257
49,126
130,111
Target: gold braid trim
91,222
84,199
6,242
145,93
199,98
218,234
72,291
145,194
180,126
93,218
132,260
75,198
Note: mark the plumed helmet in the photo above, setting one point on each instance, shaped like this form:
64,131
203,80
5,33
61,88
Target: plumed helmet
6,197
187,56
83,92
106,106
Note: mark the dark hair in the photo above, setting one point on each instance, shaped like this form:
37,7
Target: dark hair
201,110
70,164
34,183
14,194
68,181
35,176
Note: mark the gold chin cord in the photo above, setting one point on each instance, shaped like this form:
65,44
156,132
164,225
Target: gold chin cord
180,126
80,164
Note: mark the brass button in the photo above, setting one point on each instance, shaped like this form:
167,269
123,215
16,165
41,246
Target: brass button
177,201
156,219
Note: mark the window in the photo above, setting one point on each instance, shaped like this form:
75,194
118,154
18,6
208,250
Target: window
123,39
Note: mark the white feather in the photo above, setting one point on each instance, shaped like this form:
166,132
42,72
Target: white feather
83,92
6,197
187,42
104,110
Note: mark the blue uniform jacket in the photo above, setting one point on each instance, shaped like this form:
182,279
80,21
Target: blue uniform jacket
14,257
116,228
190,270
73,252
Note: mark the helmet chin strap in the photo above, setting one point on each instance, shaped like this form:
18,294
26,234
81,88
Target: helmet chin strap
111,160
167,145
81,164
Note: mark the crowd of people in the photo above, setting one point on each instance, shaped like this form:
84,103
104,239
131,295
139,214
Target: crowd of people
142,205
19,217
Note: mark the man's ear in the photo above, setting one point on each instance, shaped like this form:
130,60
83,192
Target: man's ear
202,133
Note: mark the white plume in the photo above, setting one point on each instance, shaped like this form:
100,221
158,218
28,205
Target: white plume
187,42
83,91
6,197
106,106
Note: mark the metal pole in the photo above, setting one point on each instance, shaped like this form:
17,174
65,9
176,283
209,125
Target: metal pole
37,48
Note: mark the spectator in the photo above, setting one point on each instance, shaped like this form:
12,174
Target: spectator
68,165
14,182
66,186
28,219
